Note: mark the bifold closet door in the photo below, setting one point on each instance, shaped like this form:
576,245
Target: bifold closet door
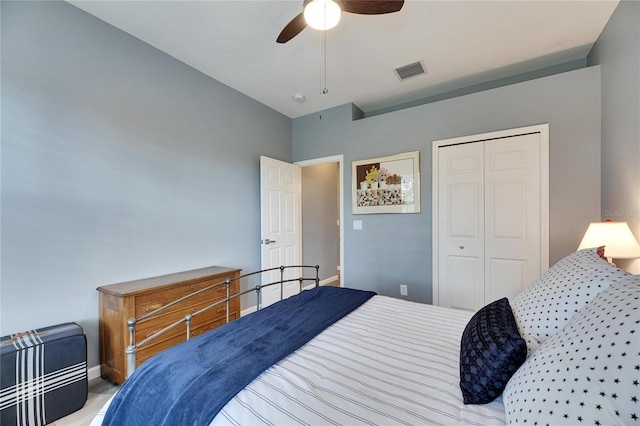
489,220
512,215
461,227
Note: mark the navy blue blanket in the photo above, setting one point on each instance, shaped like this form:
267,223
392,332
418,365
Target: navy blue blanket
189,384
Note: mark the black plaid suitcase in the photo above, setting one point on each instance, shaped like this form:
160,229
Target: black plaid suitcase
43,374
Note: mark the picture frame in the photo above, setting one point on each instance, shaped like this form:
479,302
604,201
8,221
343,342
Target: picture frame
386,184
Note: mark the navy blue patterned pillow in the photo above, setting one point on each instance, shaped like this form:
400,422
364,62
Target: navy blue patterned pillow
491,350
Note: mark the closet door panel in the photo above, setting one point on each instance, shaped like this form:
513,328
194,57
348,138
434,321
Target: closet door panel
465,281
512,212
461,226
503,274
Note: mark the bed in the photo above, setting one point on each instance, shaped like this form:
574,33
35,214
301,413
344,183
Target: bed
544,357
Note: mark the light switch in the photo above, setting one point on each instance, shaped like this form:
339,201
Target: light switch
357,225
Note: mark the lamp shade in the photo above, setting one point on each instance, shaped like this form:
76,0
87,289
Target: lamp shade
616,237
322,14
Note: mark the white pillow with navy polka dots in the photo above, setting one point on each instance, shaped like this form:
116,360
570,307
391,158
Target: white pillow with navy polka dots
589,372
545,307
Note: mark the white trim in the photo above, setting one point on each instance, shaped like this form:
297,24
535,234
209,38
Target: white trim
543,129
340,160
327,280
248,311
93,372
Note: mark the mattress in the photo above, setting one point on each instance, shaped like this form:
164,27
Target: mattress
389,362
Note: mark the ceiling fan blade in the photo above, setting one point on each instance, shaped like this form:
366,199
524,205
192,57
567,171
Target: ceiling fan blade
292,29
371,7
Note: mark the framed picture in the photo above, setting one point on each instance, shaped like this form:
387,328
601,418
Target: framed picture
386,184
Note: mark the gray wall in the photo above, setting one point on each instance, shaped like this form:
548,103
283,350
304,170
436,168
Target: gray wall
394,249
320,213
618,53
118,162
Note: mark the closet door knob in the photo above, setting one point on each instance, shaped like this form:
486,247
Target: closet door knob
461,247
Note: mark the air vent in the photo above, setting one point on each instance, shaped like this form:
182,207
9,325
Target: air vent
411,70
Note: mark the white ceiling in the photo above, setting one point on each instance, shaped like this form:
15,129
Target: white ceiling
461,43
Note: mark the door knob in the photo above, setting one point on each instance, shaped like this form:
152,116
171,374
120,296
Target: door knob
461,247
268,241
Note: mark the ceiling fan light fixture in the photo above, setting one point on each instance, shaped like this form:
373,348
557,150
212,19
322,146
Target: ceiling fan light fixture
322,14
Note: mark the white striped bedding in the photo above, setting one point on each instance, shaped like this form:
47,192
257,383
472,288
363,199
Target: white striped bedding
388,362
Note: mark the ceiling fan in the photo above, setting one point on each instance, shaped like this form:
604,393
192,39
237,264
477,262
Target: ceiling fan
329,14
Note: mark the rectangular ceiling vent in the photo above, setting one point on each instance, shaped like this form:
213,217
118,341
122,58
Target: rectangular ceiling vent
410,70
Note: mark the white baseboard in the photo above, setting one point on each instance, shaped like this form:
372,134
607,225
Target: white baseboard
322,282
93,372
247,311
329,280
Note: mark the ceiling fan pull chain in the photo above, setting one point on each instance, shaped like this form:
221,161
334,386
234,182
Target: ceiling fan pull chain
323,69
324,39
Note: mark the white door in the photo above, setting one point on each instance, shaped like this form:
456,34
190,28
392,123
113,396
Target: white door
512,215
461,213
280,228
489,220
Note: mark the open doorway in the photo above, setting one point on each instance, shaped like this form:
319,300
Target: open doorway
322,217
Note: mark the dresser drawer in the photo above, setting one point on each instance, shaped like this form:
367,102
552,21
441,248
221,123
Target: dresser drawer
154,347
152,325
149,302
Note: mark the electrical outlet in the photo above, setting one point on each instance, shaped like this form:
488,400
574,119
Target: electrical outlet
403,290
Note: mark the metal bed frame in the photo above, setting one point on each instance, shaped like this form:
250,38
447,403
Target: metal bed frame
133,347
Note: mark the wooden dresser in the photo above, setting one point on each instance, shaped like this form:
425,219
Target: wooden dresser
119,302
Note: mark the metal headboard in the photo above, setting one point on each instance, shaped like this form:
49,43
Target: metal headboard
131,323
